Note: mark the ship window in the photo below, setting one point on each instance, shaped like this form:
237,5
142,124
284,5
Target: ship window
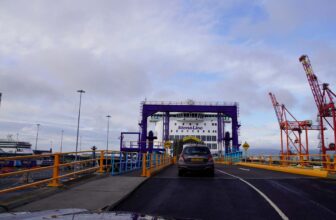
204,124
182,131
214,146
208,138
196,123
182,123
197,131
176,131
208,131
175,124
213,138
215,124
203,138
203,131
189,123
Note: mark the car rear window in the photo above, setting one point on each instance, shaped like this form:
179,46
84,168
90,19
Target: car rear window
196,151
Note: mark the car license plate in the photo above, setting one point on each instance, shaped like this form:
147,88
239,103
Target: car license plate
196,160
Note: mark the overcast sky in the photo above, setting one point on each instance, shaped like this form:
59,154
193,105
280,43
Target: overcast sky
121,52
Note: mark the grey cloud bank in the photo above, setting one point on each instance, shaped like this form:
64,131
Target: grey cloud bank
122,52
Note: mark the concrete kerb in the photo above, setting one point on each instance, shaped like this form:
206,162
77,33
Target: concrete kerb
32,196
293,170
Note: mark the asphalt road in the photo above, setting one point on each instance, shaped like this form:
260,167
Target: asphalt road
234,193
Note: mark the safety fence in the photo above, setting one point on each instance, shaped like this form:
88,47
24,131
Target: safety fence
230,158
21,172
154,162
123,162
311,161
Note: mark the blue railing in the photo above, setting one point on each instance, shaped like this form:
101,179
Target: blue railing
234,156
125,162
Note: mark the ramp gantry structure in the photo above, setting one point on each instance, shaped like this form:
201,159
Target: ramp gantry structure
292,128
324,99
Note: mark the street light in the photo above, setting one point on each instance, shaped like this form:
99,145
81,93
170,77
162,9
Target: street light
107,138
79,111
61,141
37,131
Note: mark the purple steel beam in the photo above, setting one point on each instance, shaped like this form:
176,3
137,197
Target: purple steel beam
166,126
150,109
127,148
219,128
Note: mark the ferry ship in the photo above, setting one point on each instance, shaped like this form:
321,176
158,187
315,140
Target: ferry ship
14,148
200,125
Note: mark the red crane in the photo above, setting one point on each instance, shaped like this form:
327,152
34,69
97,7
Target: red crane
324,99
292,129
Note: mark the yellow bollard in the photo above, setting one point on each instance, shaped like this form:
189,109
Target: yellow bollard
270,160
101,162
144,162
55,182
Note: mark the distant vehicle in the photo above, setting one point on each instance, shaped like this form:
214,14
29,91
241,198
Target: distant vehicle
195,157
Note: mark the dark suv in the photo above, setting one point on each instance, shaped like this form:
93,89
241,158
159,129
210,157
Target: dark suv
195,157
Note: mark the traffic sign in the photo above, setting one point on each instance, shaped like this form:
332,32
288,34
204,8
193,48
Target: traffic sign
246,146
167,144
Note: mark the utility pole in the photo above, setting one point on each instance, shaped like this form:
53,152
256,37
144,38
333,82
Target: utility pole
37,132
79,111
61,140
107,138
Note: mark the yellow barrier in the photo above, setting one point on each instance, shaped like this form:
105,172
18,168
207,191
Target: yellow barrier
293,170
154,165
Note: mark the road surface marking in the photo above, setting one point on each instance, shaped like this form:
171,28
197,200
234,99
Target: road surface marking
277,209
244,169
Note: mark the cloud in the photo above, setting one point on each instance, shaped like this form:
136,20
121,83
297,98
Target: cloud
123,52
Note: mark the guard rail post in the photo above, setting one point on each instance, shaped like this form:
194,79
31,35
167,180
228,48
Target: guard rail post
328,162
144,162
101,162
55,181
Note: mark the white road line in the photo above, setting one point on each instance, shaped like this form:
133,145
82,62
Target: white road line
277,209
244,169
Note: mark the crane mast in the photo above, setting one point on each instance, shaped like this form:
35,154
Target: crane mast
324,99
292,130
313,81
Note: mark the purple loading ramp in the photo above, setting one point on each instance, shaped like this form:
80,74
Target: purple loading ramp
150,108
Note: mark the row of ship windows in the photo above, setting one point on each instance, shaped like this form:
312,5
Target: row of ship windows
213,124
201,137
198,131
212,146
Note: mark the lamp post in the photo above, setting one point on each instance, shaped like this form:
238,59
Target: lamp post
37,131
61,141
79,111
107,138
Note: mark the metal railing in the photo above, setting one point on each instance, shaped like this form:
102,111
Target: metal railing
123,162
154,162
52,169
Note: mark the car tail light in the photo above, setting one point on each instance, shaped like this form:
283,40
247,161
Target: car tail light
181,158
210,158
